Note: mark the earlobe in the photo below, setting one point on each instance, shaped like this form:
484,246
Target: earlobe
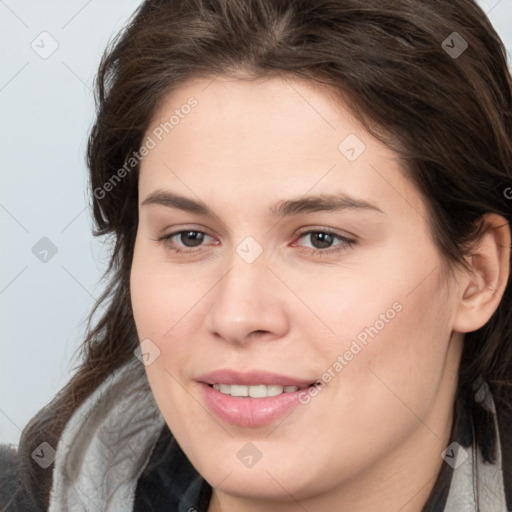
482,288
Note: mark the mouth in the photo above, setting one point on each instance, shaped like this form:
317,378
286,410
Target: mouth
251,399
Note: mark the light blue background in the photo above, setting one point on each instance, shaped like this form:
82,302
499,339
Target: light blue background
47,109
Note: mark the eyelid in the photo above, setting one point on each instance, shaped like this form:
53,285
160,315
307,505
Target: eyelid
325,229
180,229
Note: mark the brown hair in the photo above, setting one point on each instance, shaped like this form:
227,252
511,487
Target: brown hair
448,117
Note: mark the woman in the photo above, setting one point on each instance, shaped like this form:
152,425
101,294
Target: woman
309,298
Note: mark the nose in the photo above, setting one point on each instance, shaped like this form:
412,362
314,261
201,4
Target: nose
248,303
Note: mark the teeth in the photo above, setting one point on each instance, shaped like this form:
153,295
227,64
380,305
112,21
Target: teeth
237,390
225,388
259,391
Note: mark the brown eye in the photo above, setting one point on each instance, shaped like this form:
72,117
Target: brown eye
322,241
191,238
185,240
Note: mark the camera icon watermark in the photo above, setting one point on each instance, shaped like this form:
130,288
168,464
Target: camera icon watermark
454,455
249,249
44,455
352,147
45,45
454,45
147,352
249,455
44,250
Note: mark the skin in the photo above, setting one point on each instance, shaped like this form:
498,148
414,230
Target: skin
372,438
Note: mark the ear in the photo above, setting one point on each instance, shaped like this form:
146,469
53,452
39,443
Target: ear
480,290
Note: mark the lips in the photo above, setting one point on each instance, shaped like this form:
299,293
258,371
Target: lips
246,410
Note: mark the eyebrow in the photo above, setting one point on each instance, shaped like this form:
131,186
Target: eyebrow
286,208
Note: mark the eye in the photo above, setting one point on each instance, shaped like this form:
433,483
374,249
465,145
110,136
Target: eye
190,239
322,241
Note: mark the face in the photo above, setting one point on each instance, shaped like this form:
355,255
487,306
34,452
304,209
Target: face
282,251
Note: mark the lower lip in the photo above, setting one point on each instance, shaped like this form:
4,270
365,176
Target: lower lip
249,412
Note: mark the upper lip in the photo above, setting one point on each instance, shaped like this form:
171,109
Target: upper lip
252,378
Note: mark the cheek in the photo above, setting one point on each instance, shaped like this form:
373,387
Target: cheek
161,298
166,306
394,358
380,335
160,305
337,308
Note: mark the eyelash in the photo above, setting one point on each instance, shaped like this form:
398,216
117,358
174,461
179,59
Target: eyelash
347,242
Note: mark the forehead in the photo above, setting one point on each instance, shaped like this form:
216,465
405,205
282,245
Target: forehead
275,136
266,117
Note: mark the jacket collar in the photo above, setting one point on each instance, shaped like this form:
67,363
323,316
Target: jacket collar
477,481
106,444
